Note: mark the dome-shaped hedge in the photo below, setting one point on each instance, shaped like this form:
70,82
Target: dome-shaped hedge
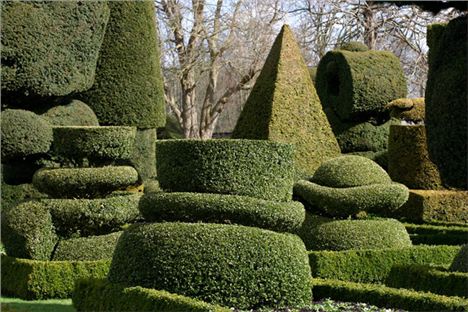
236,266
74,113
354,46
460,263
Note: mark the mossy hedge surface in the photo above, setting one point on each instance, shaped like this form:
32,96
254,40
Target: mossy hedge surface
85,217
460,263
283,106
256,168
51,49
408,158
24,133
84,182
86,248
446,109
219,208
74,113
358,85
28,231
94,143
143,157
231,265
128,89
38,280
100,295
436,280
12,195
408,109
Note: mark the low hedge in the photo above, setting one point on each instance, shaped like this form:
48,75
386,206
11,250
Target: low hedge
437,234
84,182
256,168
342,202
86,248
359,234
28,232
231,265
387,297
87,217
460,263
37,280
218,208
74,113
100,295
373,266
94,143
427,278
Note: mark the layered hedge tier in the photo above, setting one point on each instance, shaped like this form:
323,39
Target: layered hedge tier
73,113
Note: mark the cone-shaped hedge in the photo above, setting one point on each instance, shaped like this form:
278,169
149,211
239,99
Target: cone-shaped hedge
283,106
128,89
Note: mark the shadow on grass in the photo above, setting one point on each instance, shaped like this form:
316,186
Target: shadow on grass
18,305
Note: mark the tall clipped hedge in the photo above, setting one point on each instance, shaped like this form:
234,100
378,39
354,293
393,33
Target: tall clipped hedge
283,106
128,89
446,108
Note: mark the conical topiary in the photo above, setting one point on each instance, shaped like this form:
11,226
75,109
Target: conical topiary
283,106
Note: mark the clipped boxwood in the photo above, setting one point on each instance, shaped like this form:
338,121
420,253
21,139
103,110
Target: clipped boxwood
38,280
74,113
28,232
86,248
359,234
354,46
358,85
12,195
219,208
460,263
231,265
144,153
101,296
256,168
437,234
24,133
83,182
411,110
94,143
128,89
87,217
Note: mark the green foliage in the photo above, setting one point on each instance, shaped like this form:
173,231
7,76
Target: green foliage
51,48
359,235
33,279
256,168
12,195
87,248
144,153
354,46
427,278
94,143
100,295
219,208
74,113
343,202
24,133
49,305
83,182
383,296
283,106
381,157
231,265
373,266
460,263
128,89
408,109
446,117
28,232
358,85
85,217
437,234
171,130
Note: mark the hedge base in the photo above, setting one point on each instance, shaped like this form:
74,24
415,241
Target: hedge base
37,280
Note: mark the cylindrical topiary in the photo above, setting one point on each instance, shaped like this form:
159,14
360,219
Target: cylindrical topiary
408,158
460,263
256,168
83,182
357,85
74,113
219,208
24,133
359,234
231,265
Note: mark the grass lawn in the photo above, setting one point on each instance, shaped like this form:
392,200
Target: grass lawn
53,305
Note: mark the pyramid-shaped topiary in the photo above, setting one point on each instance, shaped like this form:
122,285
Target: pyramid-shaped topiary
283,106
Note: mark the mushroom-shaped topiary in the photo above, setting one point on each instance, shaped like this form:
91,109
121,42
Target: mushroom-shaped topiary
460,263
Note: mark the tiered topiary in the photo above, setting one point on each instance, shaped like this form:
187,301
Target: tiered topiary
284,107
221,256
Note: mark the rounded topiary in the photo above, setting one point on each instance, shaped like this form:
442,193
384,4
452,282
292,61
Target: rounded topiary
84,182
75,113
94,143
349,171
354,46
219,208
236,266
28,232
359,234
460,263
12,195
408,110
24,133
256,168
